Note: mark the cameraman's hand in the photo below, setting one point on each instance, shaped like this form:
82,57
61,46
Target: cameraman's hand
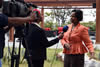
32,15
67,46
60,36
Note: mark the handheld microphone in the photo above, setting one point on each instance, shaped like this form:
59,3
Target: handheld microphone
65,28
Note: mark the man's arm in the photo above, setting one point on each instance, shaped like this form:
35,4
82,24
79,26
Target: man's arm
19,20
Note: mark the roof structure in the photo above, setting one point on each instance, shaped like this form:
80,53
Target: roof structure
62,2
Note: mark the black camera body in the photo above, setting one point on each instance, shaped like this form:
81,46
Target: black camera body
15,8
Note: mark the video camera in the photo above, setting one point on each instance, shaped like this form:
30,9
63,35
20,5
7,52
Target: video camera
17,8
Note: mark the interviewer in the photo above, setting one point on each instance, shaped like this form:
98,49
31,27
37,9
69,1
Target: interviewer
37,42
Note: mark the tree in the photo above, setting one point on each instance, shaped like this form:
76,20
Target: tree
93,12
48,24
61,15
48,20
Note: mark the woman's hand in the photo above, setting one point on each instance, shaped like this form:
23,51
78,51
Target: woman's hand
92,55
67,46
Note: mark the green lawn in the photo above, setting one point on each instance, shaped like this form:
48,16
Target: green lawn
51,59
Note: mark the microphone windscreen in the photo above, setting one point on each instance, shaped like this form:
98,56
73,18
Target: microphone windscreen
65,28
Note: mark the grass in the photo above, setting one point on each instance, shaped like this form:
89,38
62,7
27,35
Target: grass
51,59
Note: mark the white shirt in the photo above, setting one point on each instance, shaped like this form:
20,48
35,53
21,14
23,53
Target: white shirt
36,24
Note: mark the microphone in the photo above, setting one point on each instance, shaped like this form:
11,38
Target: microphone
65,28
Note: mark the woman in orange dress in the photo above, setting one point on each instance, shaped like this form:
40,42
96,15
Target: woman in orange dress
73,40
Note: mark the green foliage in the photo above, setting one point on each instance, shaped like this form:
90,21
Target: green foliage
47,14
63,15
65,23
54,26
48,24
91,25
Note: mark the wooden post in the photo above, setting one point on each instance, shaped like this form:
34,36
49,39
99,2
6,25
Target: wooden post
98,21
42,13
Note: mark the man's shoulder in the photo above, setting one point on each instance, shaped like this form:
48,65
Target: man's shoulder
3,20
2,15
35,27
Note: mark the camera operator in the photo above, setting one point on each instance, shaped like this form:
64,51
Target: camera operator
30,7
5,21
26,28
38,42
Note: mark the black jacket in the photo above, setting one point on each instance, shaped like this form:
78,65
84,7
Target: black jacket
37,42
3,23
